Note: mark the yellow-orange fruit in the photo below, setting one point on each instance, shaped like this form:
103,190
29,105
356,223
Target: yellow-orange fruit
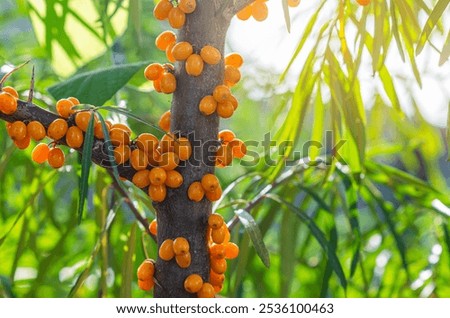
74,137
224,155
8,103
215,221
295,3
157,85
233,100
153,227
64,108
363,2
138,159
259,10
146,285
10,90
196,191
82,120
180,246
210,182
169,161
226,135
164,39
193,283
182,50
183,260
162,9
141,179
177,18
167,143
217,288
57,129
245,13
36,130
234,59
214,195
225,109
174,179
194,65
147,142
40,153
146,270
98,129
169,54
207,291
221,93
232,75
157,192
154,158
231,250
182,147
219,265
207,105
168,83
238,148
216,279
217,251
166,252
122,154
24,143
164,121
218,235
187,6
119,136
157,176
74,100
210,55
154,71
56,158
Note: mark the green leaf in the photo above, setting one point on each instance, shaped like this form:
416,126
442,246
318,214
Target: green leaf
86,163
445,53
255,235
329,267
433,19
318,235
128,113
288,244
287,18
127,265
108,146
96,87
317,130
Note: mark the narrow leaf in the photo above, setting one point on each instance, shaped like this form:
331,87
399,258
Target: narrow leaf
445,51
287,18
129,114
127,265
98,86
255,235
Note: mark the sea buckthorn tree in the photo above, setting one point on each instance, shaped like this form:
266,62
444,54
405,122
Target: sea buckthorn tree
171,157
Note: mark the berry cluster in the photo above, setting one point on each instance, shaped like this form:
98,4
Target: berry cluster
259,11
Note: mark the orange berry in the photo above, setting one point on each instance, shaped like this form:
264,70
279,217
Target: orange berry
221,93
174,179
119,136
207,105
225,109
74,100
157,176
182,50
98,129
363,2
162,9
169,161
146,270
219,265
216,279
218,235
217,251
295,3
24,143
207,291
64,108
187,6
215,221
224,155
153,227
233,100
232,75
210,55
8,103
169,54
157,85
164,39
56,158
196,191
154,158
141,179
214,195
226,136
177,18
238,148
147,142
82,120
36,130
182,147
40,153
259,10
180,246
10,90
57,129
121,126
183,260
194,65
138,159
122,154
234,59
153,71
217,288
231,250
245,13
17,130
193,283
157,192
74,137
166,250
167,143
164,121
146,285
210,182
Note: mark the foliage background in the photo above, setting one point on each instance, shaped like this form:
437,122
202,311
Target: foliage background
374,226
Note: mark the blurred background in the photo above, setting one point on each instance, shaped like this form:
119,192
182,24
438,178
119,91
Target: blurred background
373,223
